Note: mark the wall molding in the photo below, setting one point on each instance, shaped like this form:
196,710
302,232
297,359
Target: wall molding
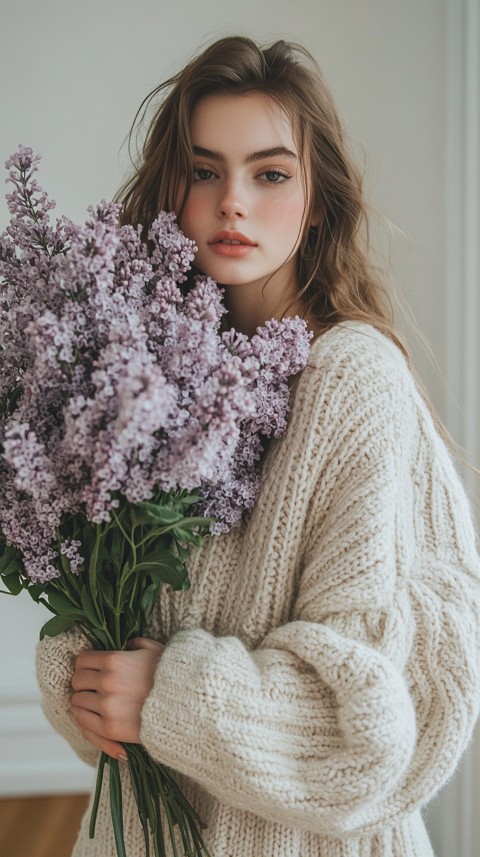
462,239
455,813
34,759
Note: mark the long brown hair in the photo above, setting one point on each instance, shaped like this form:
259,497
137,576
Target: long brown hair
337,280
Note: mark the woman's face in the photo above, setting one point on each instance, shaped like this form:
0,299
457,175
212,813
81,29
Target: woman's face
246,207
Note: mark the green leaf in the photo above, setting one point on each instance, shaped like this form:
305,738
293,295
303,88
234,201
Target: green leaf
10,561
200,523
185,536
180,535
164,567
151,513
191,499
13,583
117,548
103,556
106,593
65,563
101,639
191,531
36,590
96,637
89,609
149,599
87,538
55,626
60,603
132,623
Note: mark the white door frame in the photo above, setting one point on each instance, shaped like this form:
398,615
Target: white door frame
456,816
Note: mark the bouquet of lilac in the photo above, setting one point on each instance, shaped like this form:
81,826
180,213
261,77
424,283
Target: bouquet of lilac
131,427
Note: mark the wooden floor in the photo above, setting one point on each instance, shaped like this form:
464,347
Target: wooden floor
40,826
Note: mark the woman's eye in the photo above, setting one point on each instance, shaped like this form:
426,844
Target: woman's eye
274,176
202,174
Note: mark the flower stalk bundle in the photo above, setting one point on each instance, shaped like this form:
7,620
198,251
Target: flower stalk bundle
131,427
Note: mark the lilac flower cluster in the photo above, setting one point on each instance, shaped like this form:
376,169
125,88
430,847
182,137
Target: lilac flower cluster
115,378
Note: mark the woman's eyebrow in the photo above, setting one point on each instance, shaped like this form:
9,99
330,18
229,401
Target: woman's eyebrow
272,152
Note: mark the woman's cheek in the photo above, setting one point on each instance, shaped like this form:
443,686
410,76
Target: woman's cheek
288,216
192,216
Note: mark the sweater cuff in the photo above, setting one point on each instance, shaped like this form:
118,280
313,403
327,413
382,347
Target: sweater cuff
176,710
55,663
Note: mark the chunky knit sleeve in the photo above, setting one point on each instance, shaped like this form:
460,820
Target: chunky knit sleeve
357,709
55,666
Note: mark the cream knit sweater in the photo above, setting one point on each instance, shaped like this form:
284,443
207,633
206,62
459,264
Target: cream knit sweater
322,675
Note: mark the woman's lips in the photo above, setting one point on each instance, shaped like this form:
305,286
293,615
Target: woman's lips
226,249
230,243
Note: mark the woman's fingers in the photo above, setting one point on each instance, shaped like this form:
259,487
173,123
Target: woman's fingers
83,679
106,728
91,659
145,643
111,748
89,700
87,719
107,716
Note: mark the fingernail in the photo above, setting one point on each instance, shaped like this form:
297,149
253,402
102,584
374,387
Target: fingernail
122,757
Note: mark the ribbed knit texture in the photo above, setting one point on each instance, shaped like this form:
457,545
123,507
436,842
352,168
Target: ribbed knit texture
322,675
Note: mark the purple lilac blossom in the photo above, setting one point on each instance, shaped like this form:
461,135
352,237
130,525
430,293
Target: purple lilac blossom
116,379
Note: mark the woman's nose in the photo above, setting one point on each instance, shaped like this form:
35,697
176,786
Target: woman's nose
232,201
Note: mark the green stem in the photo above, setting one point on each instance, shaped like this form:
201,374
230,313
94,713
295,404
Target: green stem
188,523
116,807
122,530
92,565
98,791
135,780
133,593
124,577
168,817
118,632
63,584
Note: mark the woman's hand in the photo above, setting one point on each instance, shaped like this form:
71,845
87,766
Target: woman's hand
110,689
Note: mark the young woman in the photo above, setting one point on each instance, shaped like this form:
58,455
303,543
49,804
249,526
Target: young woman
320,681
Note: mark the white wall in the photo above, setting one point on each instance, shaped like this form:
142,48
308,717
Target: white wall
73,76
